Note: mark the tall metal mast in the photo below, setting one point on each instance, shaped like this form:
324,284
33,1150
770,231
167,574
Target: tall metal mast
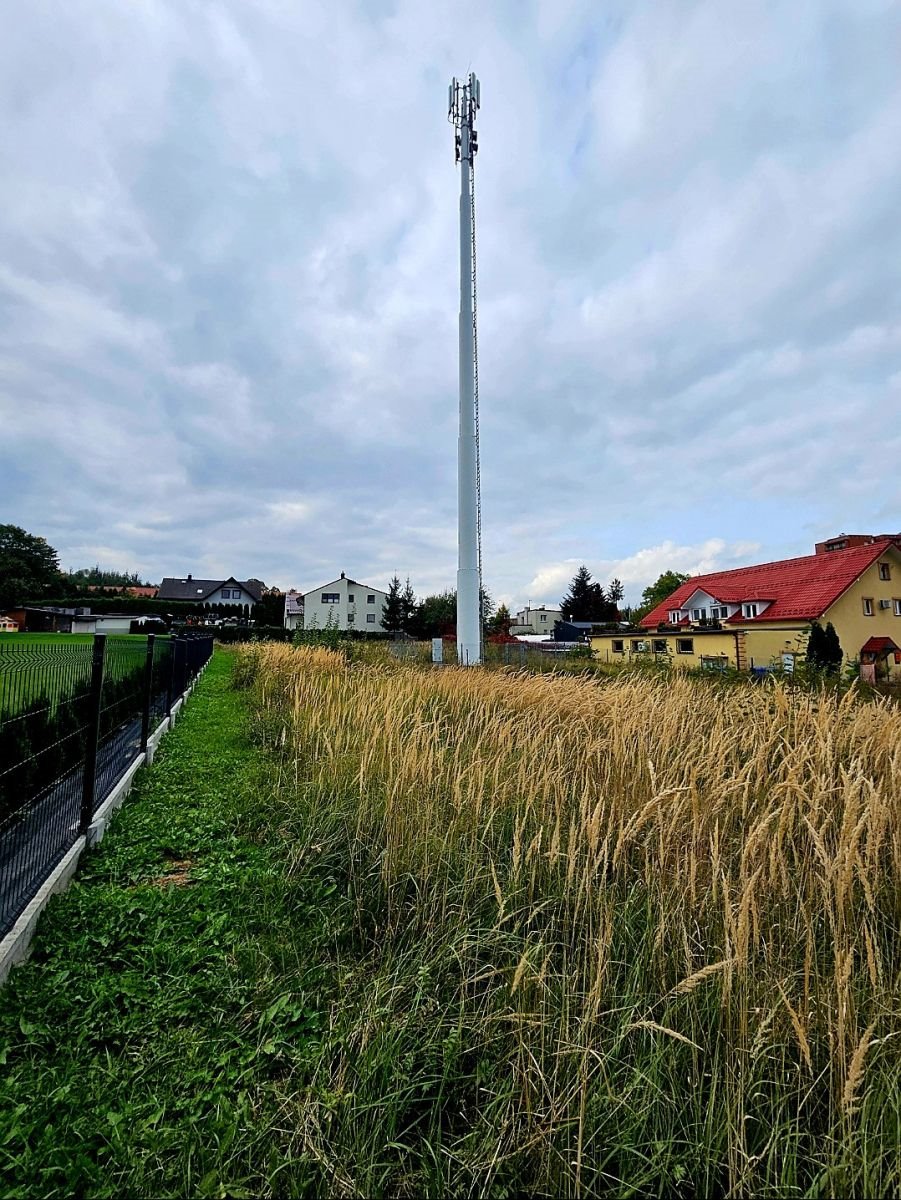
463,103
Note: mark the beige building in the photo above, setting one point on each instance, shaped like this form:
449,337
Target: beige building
540,619
760,616
347,604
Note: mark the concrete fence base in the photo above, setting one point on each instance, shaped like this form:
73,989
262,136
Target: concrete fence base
16,945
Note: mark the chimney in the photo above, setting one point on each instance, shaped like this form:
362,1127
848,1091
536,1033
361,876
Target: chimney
189,579
343,576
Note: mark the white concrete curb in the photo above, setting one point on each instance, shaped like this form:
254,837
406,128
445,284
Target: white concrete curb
16,945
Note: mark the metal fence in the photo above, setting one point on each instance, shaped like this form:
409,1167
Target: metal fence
73,718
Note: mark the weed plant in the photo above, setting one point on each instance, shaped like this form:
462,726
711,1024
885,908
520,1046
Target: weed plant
636,934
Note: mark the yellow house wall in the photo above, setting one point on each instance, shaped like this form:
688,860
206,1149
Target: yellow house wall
707,645
765,644
852,627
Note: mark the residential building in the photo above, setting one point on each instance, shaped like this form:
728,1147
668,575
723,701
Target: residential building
8,625
540,619
760,616
293,610
348,603
212,591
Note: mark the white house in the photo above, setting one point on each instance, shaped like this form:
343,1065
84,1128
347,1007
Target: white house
293,610
351,605
539,620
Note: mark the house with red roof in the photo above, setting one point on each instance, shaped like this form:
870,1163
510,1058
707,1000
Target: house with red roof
760,616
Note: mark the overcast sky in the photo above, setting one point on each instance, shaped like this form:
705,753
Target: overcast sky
228,284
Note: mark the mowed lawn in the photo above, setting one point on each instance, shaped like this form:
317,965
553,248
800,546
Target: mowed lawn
50,665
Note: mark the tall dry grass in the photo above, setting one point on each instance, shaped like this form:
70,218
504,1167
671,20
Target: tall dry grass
641,932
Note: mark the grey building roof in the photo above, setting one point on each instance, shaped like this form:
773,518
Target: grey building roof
293,604
197,590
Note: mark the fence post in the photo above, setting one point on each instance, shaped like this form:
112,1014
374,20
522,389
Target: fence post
148,692
170,686
89,776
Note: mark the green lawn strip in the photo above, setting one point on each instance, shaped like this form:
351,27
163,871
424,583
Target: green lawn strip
173,990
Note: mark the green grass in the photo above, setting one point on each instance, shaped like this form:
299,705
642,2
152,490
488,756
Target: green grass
172,991
234,999
53,664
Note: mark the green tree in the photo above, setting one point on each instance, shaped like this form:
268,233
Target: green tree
587,601
657,592
436,615
580,600
29,567
501,621
270,609
407,606
833,652
824,651
487,606
393,612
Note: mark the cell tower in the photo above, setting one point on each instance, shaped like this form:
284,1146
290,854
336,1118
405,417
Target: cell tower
463,104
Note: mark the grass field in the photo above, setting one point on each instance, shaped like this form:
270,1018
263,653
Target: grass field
638,935
472,933
51,665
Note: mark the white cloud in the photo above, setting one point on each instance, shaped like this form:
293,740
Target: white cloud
229,292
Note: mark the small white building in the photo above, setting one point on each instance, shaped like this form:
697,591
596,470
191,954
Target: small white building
539,620
350,604
293,610
88,622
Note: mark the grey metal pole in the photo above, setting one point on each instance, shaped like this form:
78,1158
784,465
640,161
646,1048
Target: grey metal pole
469,625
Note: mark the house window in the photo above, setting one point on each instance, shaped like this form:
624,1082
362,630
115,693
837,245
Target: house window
659,645
619,646
350,618
685,645
370,618
699,614
675,616
897,603
885,571
543,617
331,598
719,613
867,606
370,599
749,610
350,597
639,647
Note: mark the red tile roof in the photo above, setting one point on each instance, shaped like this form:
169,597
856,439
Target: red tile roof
800,588
877,644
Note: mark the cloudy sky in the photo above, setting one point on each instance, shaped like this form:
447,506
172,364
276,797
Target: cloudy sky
228,284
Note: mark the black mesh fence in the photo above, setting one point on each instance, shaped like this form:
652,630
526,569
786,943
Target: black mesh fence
73,718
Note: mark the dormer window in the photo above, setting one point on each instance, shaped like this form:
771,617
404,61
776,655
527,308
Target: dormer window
719,612
675,616
749,610
699,614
